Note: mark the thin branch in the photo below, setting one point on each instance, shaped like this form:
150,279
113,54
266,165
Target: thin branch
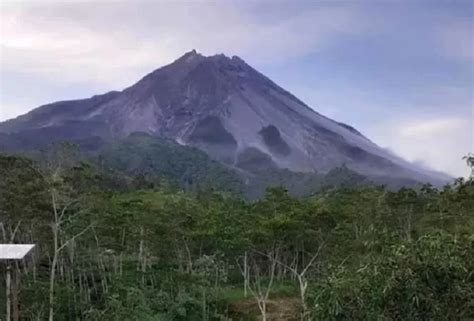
55,209
277,261
63,211
71,217
4,233
74,237
14,231
272,276
313,259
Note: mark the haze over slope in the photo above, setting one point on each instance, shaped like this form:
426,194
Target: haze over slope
222,106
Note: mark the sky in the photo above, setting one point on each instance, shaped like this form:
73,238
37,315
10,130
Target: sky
400,71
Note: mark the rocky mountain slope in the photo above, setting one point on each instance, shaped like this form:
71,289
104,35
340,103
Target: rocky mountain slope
222,106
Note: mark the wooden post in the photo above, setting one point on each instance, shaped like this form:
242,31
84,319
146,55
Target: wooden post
14,293
8,291
12,253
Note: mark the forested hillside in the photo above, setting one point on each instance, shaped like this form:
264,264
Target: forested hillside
154,161
121,246
190,169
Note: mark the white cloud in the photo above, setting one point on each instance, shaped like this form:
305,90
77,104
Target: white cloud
68,50
111,45
429,128
116,43
438,143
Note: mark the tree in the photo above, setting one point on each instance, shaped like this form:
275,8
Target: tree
261,283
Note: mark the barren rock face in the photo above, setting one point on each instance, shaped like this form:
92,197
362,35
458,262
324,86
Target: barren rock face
222,106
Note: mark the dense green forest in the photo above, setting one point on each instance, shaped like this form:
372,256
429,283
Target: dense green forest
114,246
156,159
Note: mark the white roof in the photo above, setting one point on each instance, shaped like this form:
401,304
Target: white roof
14,251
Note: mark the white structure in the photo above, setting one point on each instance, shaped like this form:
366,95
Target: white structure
14,251
10,252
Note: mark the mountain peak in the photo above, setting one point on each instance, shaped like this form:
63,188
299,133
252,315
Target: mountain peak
238,59
190,56
222,56
193,57
221,105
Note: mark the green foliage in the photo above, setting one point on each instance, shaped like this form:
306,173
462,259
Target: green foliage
140,154
427,279
154,252
155,161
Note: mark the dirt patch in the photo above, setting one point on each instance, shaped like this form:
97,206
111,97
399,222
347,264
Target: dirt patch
281,309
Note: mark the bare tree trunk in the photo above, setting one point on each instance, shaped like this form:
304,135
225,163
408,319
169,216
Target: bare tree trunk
11,296
140,249
303,284
57,249
52,274
260,294
264,310
262,305
204,304
8,294
14,293
301,277
141,266
189,267
246,275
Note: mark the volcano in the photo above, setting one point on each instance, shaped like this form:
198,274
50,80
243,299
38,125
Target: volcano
222,106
